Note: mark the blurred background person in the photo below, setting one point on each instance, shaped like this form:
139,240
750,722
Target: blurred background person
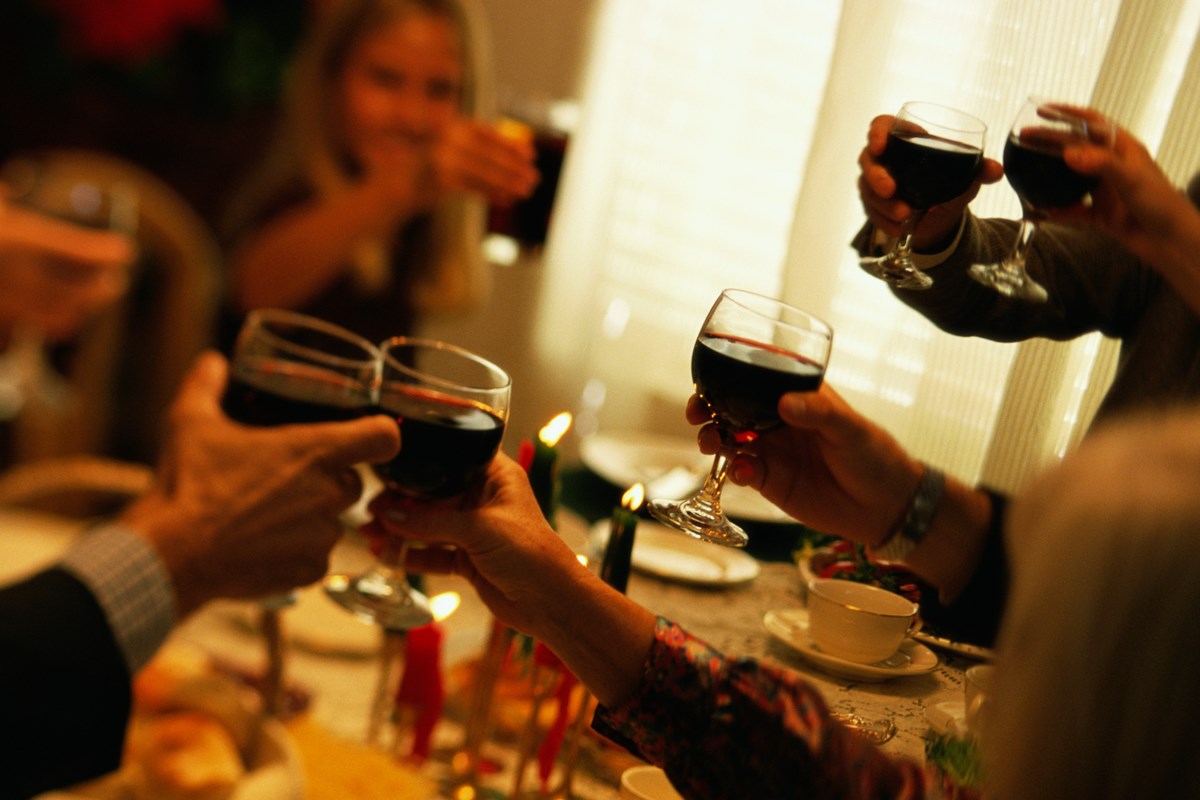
56,278
371,205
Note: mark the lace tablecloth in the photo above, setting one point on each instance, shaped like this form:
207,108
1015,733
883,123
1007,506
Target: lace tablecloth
731,619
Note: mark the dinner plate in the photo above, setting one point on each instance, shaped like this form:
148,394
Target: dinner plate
790,626
668,554
624,458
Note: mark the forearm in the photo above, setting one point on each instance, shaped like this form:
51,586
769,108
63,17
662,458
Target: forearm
950,551
600,634
292,259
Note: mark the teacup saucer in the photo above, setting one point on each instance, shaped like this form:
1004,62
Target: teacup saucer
790,626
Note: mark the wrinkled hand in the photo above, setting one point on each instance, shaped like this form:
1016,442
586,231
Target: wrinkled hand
877,188
827,466
498,540
54,275
245,512
472,156
1134,202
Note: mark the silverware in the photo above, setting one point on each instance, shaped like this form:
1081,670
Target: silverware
877,730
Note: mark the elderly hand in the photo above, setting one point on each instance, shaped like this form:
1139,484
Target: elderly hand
827,466
877,189
245,512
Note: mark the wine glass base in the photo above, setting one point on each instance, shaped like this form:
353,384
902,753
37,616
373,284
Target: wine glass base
896,272
715,528
374,598
1009,281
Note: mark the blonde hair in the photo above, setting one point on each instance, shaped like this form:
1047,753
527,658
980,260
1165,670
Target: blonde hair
1096,684
308,147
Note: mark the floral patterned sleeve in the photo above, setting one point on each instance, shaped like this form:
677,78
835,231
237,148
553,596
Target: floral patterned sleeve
737,727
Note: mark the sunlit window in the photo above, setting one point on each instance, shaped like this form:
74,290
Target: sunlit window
718,145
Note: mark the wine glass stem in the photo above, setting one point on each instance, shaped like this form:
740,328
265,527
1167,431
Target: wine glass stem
391,559
711,491
1024,237
904,244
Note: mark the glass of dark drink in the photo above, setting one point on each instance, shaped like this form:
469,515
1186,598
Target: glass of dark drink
1035,169
289,368
451,406
750,351
933,154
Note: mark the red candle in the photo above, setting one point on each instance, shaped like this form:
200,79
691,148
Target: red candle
548,752
421,686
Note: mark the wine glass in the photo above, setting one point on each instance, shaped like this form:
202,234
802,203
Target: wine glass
291,368
750,351
933,154
1035,169
451,406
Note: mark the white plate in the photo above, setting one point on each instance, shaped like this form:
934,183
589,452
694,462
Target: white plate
790,626
662,552
624,458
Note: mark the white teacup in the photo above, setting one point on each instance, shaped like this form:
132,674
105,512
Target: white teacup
858,622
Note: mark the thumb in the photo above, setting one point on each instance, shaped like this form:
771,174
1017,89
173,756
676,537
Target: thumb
201,389
371,439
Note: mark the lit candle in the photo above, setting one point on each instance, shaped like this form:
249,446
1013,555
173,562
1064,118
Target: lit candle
543,467
618,553
421,686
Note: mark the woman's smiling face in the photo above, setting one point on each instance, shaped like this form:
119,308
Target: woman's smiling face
400,86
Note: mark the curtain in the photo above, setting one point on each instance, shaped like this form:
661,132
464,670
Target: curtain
718,147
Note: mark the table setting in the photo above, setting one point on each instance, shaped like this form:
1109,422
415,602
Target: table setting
368,680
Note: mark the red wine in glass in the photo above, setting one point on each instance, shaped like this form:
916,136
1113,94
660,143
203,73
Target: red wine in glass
448,441
741,381
451,406
933,153
1036,171
275,391
750,351
929,169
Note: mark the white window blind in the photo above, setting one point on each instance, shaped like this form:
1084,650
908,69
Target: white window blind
718,147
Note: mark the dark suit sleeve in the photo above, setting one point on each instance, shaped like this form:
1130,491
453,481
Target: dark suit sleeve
974,616
65,691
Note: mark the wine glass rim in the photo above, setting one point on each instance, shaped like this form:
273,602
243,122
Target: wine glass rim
385,348
979,125
371,352
819,325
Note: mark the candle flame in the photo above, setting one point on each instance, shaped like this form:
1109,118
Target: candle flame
633,497
443,605
555,429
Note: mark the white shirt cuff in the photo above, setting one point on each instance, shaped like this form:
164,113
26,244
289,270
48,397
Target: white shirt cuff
132,585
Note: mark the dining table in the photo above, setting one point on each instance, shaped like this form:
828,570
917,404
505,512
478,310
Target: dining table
334,660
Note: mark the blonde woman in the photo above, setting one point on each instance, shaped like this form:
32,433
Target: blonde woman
371,206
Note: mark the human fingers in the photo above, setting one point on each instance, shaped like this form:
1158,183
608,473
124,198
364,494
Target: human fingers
696,410
877,133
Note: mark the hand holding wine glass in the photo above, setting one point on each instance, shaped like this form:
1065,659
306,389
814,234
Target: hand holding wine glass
933,154
1033,162
750,351
290,368
452,407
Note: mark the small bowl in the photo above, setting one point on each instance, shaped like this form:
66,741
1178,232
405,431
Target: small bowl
647,783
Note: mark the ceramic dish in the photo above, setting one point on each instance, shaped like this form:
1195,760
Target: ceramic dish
624,458
790,626
668,554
